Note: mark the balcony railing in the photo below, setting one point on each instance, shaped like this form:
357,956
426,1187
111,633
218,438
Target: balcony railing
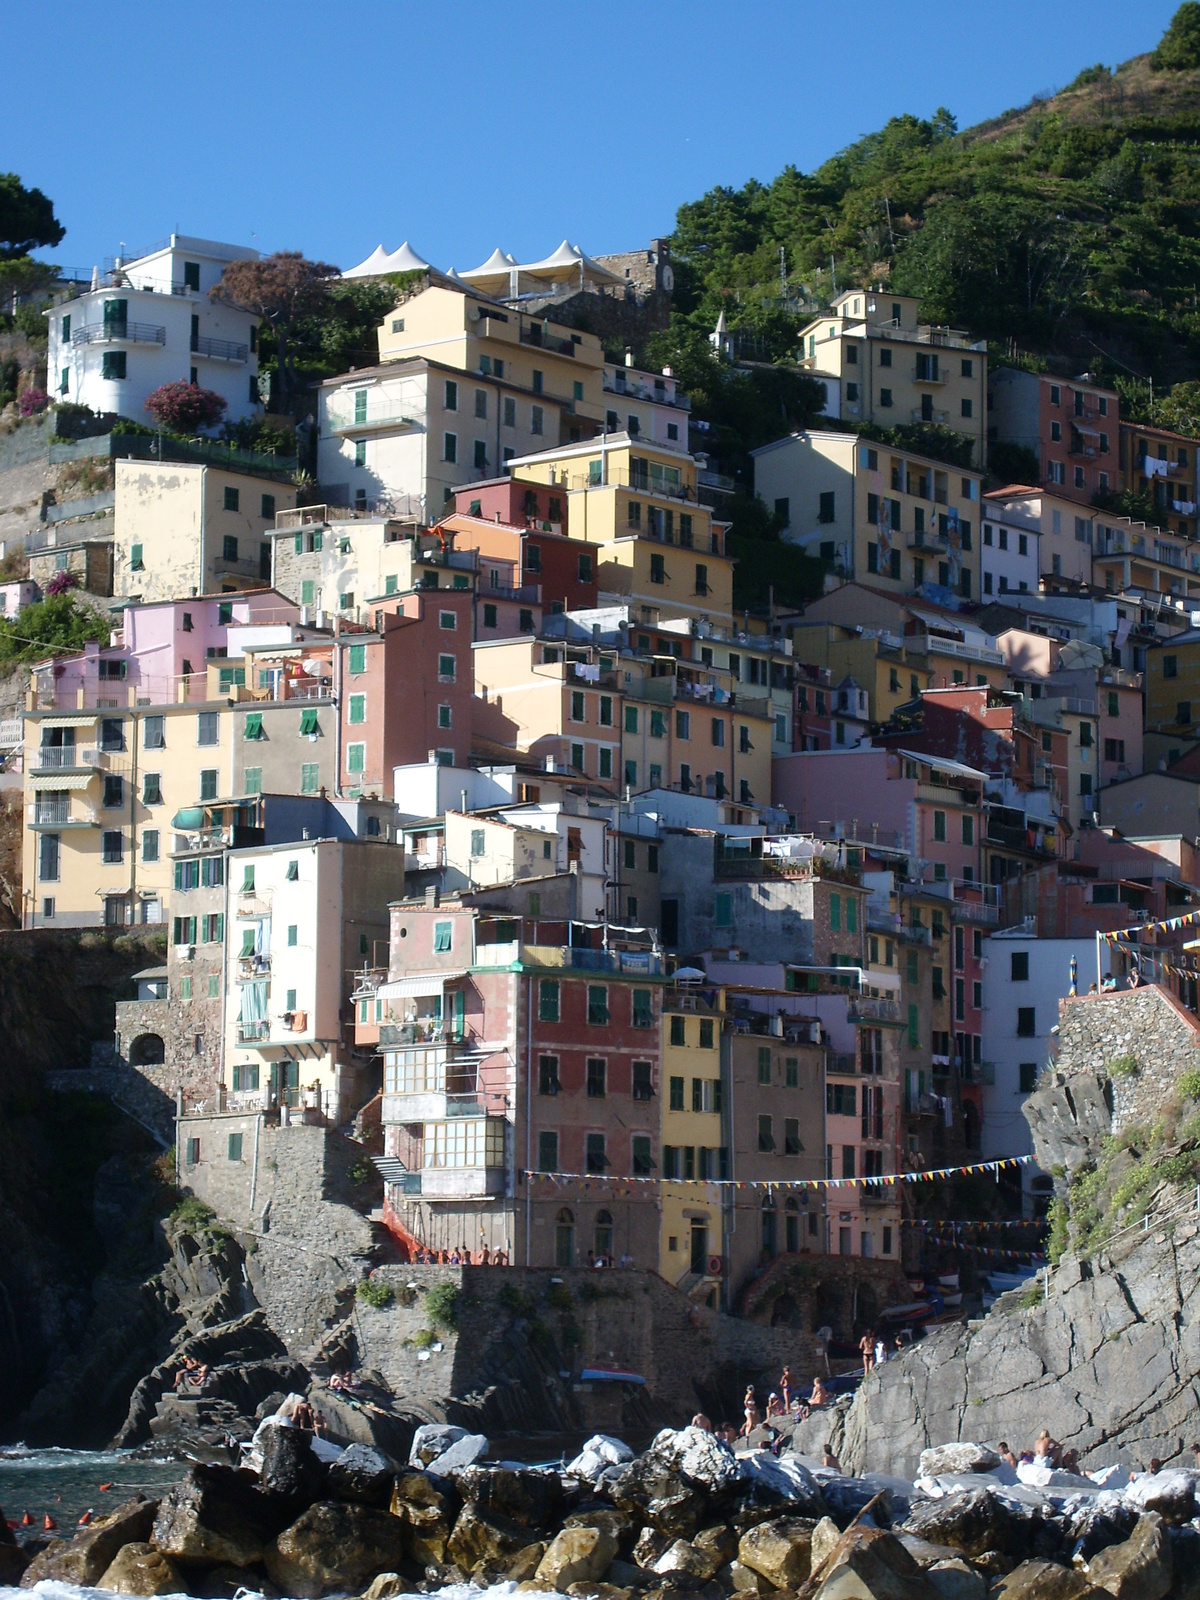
682,402
919,414
863,1008
60,757
219,349
119,333
535,334
386,415
253,1032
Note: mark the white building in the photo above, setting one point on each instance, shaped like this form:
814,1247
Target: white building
151,321
300,919
1024,978
1010,554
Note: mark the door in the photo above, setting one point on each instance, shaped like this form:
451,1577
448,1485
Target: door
699,1247
116,318
792,1225
768,1230
564,1240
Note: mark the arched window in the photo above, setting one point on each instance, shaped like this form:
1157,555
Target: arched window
564,1239
147,1050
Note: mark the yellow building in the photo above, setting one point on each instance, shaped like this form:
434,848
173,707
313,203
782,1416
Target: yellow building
1172,684
890,518
694,1145
533,698
182,530
660,549
881,364
890,673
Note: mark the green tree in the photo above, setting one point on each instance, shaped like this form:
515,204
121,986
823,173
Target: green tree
1179,409
1179,48
281,289
27,219
52,627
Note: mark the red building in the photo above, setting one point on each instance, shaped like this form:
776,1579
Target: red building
525,557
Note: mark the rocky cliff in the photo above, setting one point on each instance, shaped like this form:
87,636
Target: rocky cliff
1104,1351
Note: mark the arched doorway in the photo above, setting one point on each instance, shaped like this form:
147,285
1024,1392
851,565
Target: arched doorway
785,1313
147,1050
564,1239
769,1226
604,1236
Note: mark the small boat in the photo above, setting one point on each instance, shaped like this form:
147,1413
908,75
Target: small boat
606,1374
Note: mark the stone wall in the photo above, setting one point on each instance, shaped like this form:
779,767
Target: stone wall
1147,1024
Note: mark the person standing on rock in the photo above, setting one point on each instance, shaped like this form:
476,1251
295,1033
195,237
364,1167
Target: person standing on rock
867,1345
753,1414
787,1388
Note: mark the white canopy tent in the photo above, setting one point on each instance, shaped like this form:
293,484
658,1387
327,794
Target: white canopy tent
379,263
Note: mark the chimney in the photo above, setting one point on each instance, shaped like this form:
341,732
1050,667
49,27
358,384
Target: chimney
432,897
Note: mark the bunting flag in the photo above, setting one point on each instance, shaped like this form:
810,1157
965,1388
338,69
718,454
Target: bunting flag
999,1222
885,1180
1167,925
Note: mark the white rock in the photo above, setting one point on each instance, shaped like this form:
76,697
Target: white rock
944,1458
431,1439
598,1453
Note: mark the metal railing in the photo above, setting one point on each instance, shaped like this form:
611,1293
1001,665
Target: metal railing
533,333
56,757
122,332
682,402
378,416
219,349
920,415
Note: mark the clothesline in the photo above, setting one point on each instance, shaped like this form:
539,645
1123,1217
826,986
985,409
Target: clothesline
884,1180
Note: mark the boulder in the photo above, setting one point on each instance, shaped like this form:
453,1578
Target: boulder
433,1439
649,1546
955,1580
13,1562
783,1481
872,1564
779,1551
1140,1568
385,1587
576,1555
924,1553
334,1548
362,1474
655,1492
1045,1580
601,1591
825,1537
599,1452
525,1563
483,1538
463,1453
427,1509
970,1523
84,1559
526,1495
744,1580
720,1542
1170,1494
957,1458
215,1515
598,1515
624,1575
141,1569
290,1466
698,1455
683,1560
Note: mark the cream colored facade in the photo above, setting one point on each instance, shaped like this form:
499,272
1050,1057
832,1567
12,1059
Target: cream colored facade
341,565
490,850
661,551
695,1147
881,364
182,530
535,701
890,672
101,791
889,518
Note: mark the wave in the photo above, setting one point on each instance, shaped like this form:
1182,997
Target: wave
56,1458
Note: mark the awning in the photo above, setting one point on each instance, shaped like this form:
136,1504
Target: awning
189,818
415,988
881,980
390,1168
82,720
59,780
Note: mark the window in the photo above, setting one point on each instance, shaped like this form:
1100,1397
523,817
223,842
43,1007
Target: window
114,790
449,447
537,419
643,1008
232,499
358,708
718,732
766,1134
112,733
235,1147
150,844
706,1033
446,669
112,847
208,783
49,847
639,1145
597,1004
1019,966
968,829
450,401
253,729
597,1079
885,395
595,1158
1028,1077
658,571
360,452
1026,1028
480,455
253,783
764,1064
547,1152
548,1000
1170,669
723,909
826,511
113,365
548,1075
310,777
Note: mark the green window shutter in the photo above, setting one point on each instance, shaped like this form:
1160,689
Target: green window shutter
308,721
356,757
247,942
310,777
835,912
135,558
913,1027
358,708
318,540
442,934
253,783
293,872
391,583
358,658
851,914
308,592
299,544
254,725
631,719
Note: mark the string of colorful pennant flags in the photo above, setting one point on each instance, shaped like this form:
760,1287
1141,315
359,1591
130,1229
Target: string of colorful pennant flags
883,1180
1168,925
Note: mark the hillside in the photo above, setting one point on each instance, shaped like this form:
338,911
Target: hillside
1069,227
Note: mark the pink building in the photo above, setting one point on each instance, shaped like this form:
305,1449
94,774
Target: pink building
1070,425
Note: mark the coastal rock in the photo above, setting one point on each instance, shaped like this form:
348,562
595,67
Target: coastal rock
745,1581
781,1481
427,1510
525,1563
576,1555
141,1569
362,1474
214,1515
84,1559
600,1452
698,1455
654,1490
870,1562
482,1538
972,1523
1045,1580
290,1467
650,1545
684,1560
13,1562
720,1542
385,1587
825,1538
433,1439
955,1580
1171,1494
531,1497
463,1453
1140,1568
597,1515
779,1551
957,1458
334,1548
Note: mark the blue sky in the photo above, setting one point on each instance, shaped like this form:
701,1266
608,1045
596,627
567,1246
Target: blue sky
460,126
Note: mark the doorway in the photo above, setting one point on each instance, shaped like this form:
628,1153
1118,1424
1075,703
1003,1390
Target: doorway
699,1247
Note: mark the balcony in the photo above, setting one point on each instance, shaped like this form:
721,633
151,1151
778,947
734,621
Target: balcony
640,963
67,758
430,1105
253,1032
118,333
252,903
61,816
927,371
461,1183
922,1105
219,349
250,967
919,414
384,414
863,1008
681,402
538,335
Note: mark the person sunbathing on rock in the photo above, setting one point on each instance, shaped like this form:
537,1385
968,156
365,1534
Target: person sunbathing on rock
1047,1452
775,1406
820,1395
1005,1454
